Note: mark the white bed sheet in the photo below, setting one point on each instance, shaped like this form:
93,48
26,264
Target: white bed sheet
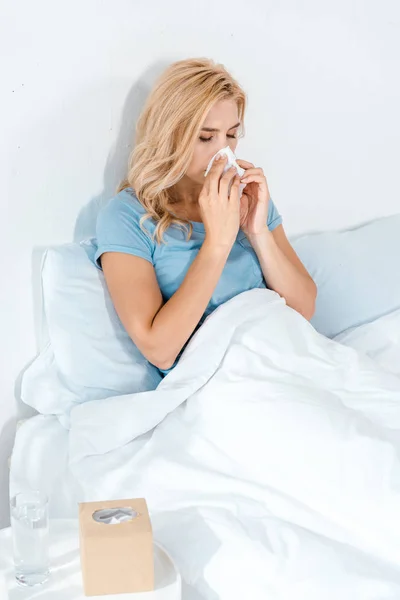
380,340
205,533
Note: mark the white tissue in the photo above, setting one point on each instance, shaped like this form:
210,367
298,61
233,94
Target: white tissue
112,516
231,162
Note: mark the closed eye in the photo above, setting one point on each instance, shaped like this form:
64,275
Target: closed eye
203,139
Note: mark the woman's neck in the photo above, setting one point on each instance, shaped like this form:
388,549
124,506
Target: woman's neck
186,191
185,199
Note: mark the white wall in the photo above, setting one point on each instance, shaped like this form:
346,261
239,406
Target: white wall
324,92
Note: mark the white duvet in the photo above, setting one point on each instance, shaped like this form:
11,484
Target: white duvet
269,457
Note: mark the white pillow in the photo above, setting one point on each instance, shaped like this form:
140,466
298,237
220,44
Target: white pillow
357,272
90,355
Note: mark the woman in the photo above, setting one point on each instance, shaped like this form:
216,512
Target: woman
173,245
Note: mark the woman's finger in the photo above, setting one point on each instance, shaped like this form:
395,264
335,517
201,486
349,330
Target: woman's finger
256,178
244,163
225,181
253,172
213,176
234,195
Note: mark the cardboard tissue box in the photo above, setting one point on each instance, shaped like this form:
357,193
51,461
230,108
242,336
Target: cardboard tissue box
116,545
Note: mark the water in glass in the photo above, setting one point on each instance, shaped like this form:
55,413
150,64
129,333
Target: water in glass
30,530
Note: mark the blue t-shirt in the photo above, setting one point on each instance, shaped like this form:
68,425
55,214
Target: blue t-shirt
118,230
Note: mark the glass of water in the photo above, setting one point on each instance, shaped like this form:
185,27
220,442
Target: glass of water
30,532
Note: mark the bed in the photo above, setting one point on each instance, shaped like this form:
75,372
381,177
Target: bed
270,456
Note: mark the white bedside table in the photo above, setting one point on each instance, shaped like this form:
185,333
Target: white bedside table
65,582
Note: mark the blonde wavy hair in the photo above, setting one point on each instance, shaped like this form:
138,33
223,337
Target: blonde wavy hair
167,130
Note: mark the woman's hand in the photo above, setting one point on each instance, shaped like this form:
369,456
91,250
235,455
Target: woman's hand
220,212
254,201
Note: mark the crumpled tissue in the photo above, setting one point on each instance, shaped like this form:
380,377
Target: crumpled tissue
231,162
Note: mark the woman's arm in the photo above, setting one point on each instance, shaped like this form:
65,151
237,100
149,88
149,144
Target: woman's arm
161,330
283,270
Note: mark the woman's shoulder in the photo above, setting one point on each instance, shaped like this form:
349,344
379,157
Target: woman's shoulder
119,227
124,210
123,213
124,202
